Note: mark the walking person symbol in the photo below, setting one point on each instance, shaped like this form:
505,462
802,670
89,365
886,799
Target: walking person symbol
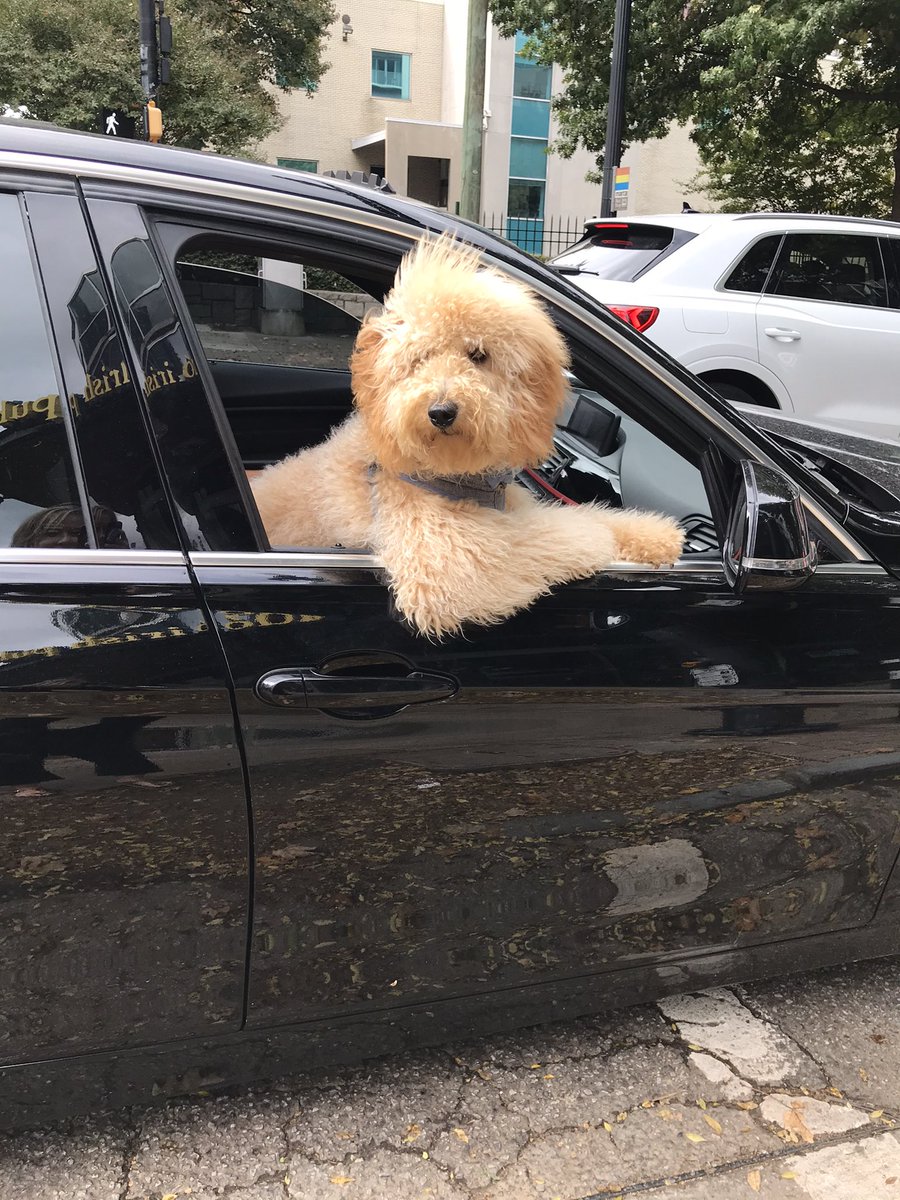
112,123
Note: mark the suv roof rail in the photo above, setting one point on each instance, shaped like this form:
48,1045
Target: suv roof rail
363,178
781,216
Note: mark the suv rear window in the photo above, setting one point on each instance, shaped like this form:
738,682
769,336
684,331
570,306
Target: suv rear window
619,249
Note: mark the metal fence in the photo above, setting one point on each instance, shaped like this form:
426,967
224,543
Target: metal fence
544,236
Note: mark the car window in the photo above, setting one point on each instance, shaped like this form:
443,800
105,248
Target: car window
752,271
278,335
619,250
842,268
39,503
120,472
891,249
249,308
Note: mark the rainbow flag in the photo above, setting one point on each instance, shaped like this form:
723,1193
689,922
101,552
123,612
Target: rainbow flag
623,177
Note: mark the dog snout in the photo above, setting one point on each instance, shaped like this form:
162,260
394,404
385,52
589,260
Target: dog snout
443,414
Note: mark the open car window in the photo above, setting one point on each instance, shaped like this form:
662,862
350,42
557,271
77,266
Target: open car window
279,348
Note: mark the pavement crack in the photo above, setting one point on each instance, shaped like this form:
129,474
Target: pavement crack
129,1151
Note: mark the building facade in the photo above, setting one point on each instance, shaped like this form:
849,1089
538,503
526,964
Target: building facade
392,103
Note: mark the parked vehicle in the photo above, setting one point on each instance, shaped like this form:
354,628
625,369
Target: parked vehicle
799,313
650,781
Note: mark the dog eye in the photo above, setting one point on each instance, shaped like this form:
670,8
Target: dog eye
477,355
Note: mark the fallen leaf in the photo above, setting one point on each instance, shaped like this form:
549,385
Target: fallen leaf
833,1091
482,1073
747,1105
754,1179
891,1179
462,1135
535,1066
691,1046
607,1126
341,1180
621,1116
879,1112
712,1123
646,1104
864,1074
788,1175
695,1137
794,1123
701,1103
170,1196
413,1132
548,1077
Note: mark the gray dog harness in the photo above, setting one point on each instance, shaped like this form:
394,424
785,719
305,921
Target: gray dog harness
488,491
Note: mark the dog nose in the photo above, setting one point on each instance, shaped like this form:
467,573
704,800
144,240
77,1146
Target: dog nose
443,415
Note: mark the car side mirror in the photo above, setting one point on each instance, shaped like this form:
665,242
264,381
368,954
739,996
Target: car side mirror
767,546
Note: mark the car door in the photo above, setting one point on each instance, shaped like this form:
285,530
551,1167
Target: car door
125,869
638,769
826,330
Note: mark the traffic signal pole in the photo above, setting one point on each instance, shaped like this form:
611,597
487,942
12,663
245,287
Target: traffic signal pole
615,112
149,54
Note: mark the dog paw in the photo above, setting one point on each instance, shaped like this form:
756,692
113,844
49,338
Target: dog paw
650,538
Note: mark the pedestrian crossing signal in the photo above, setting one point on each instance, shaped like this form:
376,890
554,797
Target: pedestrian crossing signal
116,123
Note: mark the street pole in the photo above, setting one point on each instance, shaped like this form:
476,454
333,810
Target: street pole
149,58
615,113
473,116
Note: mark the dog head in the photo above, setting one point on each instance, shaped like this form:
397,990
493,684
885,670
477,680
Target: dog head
462,371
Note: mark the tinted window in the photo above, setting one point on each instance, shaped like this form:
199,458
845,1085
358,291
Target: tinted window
617,250
842,268
120,471
891,249
752,271
39,503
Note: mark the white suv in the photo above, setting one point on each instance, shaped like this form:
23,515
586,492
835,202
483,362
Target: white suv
800,313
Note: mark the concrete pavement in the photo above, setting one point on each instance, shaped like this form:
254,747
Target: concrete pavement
788,1090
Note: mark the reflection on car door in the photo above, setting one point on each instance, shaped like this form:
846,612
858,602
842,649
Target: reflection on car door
636,769
125,863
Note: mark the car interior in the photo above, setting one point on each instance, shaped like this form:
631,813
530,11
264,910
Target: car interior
279,356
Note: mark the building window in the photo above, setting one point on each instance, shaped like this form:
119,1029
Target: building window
390,75
300,164
530,132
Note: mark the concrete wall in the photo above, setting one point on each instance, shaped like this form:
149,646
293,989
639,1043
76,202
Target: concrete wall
407,139
660,171
321,126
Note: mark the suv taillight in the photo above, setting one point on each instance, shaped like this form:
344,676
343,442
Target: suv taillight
639,317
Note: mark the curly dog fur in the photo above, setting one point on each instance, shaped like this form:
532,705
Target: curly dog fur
453,332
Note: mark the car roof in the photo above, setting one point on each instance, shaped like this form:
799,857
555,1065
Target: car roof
20,138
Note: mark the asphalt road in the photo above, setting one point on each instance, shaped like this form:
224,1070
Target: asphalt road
788,1090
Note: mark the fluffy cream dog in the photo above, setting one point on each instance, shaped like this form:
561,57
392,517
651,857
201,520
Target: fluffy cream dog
458,383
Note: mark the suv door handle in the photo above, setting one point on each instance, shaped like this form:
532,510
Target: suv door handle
782,335
306,687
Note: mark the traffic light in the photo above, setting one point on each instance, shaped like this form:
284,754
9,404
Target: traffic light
154,122
164,40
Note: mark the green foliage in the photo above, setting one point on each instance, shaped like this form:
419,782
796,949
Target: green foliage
794,103
67,59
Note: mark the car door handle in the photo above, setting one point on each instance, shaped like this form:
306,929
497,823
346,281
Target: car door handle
306,687
782,335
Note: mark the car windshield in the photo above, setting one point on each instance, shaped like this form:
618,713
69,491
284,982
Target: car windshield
616,249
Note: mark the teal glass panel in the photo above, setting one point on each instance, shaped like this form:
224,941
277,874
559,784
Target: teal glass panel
531,80
525,199
390,75
531,118
527,159
521,39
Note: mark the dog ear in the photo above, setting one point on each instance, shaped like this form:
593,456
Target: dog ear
543,386
364,372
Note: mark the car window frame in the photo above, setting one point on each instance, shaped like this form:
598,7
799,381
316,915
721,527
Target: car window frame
674,395
19,189
739,258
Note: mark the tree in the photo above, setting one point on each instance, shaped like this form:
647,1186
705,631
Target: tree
793,103
65,60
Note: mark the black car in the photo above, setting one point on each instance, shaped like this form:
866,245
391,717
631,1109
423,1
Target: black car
647,782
